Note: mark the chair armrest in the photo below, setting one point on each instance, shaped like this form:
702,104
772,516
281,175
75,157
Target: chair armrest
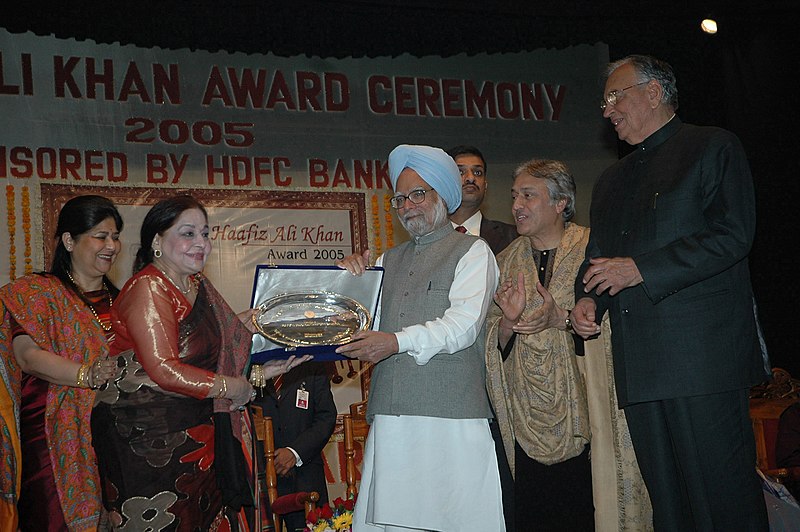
780,474
294,502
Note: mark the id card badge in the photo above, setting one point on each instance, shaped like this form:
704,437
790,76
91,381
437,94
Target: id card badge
302,398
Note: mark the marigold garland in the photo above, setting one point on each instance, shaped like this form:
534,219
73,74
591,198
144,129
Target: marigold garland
376,225
12,230
387,207
26,227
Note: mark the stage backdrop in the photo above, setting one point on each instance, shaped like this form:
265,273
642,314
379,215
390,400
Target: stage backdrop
288,153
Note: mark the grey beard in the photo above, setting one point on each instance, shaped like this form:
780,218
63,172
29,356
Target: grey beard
420,226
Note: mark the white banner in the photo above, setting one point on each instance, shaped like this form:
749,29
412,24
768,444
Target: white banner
81,113
288,154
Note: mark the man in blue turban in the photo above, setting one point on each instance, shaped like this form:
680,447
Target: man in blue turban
429,457
437,168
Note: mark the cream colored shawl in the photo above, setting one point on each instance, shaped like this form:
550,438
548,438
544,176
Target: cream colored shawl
538,393
543,388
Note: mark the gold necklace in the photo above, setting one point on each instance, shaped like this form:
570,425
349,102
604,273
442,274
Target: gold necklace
187,291
91,307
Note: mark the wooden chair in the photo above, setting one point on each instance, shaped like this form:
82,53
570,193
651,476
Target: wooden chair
284,504
359,411
765,413
355,428
767,403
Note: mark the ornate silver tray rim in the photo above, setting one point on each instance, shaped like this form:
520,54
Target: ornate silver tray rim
317,325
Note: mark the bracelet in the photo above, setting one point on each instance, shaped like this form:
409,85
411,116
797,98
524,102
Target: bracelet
568,322
257,378
223,389
83,376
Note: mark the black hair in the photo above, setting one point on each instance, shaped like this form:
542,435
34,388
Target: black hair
158,219
78,216
463,149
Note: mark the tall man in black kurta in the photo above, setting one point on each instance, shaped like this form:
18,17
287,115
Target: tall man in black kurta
672,225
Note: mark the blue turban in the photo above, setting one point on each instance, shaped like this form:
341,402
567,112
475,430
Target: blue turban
433,165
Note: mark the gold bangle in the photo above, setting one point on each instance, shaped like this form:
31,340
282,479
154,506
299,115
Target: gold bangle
257,378
223,389
83,376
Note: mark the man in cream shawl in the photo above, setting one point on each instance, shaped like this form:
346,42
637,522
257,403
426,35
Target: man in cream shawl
550,404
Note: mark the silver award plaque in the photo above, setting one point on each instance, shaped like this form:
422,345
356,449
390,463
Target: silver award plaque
311,318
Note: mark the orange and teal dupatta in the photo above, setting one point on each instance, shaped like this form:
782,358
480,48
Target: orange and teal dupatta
56,320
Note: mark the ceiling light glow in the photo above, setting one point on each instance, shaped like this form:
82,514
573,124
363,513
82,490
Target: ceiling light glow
709,26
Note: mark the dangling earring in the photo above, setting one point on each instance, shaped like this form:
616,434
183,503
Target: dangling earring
157,253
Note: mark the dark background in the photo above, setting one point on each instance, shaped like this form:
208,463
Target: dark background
742,79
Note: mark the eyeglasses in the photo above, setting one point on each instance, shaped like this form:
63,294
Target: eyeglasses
614,96
415,196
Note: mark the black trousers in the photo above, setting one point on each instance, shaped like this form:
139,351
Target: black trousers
506,479
697,457
553,498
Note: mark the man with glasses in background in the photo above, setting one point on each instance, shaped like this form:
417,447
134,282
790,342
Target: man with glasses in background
429,459
672,225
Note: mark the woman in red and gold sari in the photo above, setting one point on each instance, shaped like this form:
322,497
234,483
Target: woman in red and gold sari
53,355
170,435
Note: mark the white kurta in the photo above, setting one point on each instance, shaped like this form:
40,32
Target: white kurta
428,473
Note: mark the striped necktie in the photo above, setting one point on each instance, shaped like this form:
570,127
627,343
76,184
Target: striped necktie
277,382
461,229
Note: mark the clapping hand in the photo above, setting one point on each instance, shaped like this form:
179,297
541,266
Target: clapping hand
548,316
511,298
